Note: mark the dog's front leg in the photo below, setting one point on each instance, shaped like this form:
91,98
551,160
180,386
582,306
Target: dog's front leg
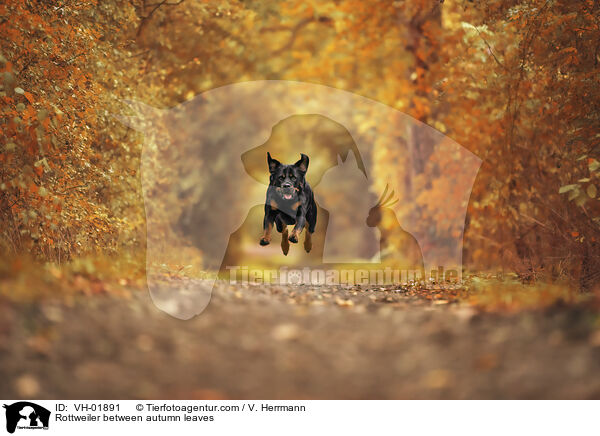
300,222
267,225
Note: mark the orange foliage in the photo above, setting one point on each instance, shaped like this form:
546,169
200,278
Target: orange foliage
515,83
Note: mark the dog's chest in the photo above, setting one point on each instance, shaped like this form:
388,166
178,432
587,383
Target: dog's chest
287,210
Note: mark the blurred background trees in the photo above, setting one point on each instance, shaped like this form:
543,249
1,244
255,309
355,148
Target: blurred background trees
514,82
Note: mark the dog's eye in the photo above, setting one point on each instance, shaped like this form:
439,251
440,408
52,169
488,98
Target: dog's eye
293,179
281,177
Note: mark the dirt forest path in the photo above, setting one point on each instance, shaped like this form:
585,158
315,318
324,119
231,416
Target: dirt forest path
296,342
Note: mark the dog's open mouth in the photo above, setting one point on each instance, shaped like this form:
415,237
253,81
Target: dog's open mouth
286,194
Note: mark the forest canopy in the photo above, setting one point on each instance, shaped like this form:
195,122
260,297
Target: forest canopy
515,83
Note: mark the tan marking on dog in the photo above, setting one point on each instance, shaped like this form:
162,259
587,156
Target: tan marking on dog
273,204
267,233
307,241
285,244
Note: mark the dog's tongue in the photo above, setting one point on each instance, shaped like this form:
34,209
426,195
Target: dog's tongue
287,196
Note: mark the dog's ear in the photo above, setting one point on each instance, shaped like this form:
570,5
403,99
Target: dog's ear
273,163
302,164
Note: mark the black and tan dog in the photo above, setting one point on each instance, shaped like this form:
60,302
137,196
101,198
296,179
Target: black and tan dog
290,200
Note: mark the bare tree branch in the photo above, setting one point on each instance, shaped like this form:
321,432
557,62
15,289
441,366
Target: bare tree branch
294,31
490,49
155,7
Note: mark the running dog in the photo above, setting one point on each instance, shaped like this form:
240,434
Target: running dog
290,201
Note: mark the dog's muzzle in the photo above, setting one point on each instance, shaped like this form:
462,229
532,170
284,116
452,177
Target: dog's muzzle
287,192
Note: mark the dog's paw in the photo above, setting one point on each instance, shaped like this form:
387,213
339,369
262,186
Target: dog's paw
293,239
264,241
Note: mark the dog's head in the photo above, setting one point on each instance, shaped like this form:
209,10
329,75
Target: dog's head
288,180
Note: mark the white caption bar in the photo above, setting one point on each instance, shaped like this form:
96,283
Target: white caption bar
300,417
